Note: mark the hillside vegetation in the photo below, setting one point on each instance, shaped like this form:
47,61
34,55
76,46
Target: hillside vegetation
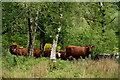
29,67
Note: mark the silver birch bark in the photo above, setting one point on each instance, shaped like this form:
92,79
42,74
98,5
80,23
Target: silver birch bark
53,51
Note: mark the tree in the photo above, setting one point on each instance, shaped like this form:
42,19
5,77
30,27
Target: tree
81,25
42,25
34,13
100,14
55,40
32,24
14,23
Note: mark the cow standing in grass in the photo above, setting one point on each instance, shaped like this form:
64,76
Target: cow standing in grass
14,49
76,51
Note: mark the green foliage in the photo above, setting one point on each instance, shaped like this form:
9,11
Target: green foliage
86,27
82,24
75,28
104,43
10,61
37,44
30,67
19,39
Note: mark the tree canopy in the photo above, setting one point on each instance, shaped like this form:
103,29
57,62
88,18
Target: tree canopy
83,23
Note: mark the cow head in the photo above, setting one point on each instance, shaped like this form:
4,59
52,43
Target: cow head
13,48
89,48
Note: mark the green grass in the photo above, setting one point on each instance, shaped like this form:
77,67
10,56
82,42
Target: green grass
29,67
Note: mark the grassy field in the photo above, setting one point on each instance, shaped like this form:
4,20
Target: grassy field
29,67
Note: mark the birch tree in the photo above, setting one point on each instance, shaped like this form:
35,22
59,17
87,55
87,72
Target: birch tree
55,40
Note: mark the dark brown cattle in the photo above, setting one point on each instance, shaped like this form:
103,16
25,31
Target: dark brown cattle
37,53
61,54
47,53
76,51
14,49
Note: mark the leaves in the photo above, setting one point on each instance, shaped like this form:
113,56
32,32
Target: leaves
82,24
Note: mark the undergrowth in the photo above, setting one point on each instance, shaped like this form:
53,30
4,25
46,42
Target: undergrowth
30,67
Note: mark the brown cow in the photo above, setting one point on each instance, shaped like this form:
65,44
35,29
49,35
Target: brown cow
37,53
61,54
47,53
14,49
76,51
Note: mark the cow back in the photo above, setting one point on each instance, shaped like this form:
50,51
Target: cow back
21,52
47,53
37,53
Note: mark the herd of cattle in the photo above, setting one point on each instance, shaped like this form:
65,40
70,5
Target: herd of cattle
71,52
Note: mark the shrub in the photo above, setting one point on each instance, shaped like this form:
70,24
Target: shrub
49,46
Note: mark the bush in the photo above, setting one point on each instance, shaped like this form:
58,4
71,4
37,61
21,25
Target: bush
49,46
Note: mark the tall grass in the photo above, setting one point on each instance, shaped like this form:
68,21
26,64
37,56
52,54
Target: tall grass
42,68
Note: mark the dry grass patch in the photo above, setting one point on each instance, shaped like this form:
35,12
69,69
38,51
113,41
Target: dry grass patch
39,70
105,68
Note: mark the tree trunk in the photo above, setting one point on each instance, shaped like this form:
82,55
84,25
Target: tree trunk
42,44
31,37
42,38
53,51
32,30
103,16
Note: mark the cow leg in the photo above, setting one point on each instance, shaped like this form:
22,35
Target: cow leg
87,56
77,58
67,57
17,55
83,57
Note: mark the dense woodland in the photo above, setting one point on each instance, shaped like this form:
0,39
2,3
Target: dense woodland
32,25
82,24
